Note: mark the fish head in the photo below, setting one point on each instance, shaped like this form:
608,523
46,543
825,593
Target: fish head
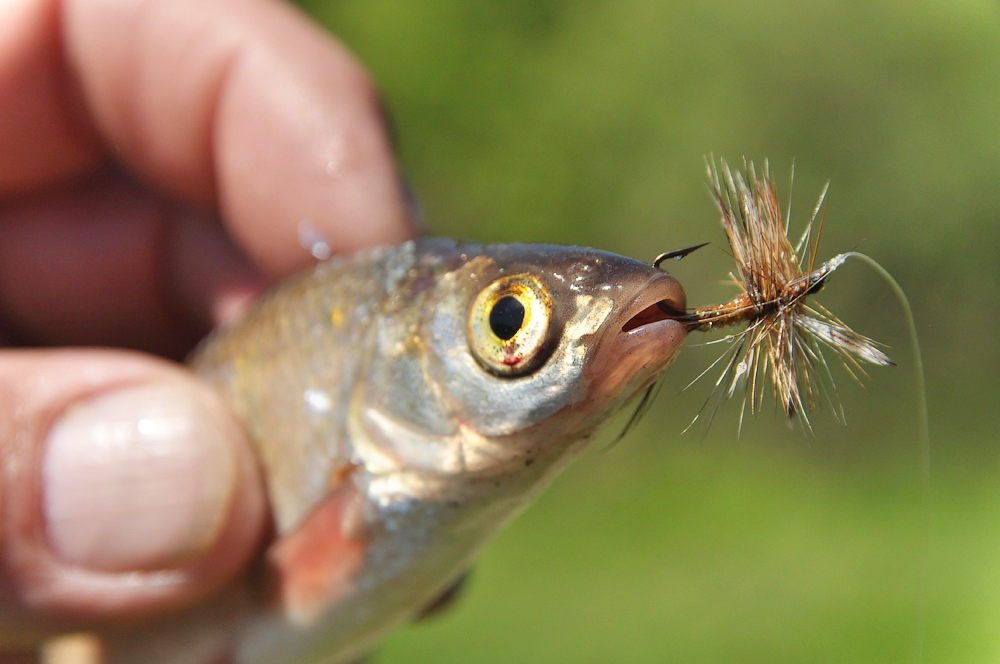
495,358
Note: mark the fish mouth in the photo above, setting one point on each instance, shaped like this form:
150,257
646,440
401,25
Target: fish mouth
661,301
643,339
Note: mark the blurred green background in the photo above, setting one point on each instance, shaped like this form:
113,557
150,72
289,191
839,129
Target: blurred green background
587,123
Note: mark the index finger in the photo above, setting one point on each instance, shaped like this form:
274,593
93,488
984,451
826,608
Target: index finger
243,105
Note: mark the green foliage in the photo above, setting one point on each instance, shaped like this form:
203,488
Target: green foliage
586,123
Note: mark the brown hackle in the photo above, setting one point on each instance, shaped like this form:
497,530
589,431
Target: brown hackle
785,335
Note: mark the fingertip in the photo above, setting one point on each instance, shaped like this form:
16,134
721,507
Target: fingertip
321,168
248,106
130,490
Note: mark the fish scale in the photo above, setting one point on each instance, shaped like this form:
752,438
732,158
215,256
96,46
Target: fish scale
287,352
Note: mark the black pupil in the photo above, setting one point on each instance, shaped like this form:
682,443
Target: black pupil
506,317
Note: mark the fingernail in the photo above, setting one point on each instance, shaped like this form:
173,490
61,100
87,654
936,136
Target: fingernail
140,478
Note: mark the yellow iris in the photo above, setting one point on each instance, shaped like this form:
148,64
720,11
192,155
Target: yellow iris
509,324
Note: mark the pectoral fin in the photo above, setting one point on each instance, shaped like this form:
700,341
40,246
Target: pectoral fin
315,564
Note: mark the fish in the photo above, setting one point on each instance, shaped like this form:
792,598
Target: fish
405,403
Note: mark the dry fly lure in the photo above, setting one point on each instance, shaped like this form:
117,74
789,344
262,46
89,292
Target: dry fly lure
786,333
785,336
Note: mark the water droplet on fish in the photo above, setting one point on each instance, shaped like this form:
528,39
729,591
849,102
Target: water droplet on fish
313,241
318,401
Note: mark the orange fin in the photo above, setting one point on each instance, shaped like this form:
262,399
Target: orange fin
316,563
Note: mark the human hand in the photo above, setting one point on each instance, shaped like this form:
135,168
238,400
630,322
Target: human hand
158,161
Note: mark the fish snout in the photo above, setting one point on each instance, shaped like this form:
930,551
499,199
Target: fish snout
643,340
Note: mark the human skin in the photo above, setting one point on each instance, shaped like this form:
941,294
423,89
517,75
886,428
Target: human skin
158,159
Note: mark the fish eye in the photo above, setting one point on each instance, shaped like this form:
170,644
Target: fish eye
509,325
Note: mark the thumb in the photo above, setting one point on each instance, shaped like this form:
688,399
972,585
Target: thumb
126,489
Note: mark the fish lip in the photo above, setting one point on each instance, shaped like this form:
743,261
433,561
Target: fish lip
642,338
660,300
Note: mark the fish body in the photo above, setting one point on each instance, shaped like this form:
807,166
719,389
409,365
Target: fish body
406,402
